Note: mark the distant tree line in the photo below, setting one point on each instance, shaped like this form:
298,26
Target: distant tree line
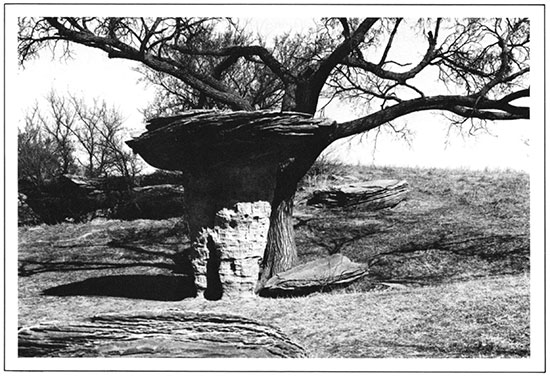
73,165
67,135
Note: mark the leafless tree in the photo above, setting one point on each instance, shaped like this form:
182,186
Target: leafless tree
57,122
38,152
79,134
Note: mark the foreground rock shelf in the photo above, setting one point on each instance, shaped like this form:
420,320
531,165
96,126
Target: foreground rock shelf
162,335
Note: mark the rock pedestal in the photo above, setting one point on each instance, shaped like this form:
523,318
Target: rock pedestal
228,218
234,248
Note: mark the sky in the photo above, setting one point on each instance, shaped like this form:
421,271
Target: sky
90,74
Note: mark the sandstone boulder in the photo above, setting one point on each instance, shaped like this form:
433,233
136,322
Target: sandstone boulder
370,195
318,275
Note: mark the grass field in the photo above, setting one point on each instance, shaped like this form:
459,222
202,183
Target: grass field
448,270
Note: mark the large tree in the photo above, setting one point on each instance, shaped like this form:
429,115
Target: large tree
482,67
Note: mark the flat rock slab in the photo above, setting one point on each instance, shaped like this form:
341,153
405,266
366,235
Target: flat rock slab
370,195
199,140
158,335
323,274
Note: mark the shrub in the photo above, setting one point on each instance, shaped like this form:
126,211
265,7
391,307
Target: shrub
324,169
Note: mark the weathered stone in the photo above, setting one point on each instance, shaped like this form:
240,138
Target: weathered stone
370,195
231,251
158,335
197,141
323,274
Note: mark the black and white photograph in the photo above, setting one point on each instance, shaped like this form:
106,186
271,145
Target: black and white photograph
311,187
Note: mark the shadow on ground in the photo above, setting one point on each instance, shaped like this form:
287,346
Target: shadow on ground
106,257
149,287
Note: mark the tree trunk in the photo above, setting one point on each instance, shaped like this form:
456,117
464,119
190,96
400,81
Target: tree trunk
281,253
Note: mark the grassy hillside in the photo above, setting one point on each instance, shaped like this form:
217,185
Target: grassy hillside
456,225
449,269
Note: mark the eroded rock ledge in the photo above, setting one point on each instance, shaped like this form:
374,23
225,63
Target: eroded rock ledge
158,335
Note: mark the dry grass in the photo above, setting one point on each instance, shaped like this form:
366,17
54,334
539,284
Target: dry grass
418,241
423,297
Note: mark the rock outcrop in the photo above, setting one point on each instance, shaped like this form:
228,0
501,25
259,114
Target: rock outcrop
318,275
370,195
77,198
158,335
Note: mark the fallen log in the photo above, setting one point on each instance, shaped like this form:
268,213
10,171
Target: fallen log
158,335
371,195
318,275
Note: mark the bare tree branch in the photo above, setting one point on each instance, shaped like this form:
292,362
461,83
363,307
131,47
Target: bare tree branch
389,44
234,52
480,60
117,49
467,106
400,77
319,77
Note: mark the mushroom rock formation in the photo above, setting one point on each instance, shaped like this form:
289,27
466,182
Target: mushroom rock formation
230,162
